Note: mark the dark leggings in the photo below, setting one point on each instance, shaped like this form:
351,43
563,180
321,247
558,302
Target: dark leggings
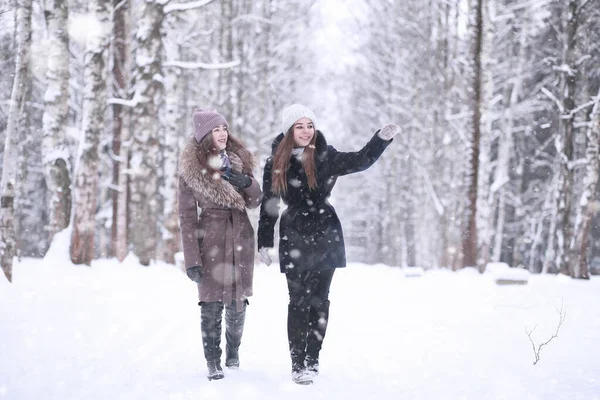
308,314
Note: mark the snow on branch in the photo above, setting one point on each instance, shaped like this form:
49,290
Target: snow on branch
536,350
250,17
201,65
186,6
566,68
583,6
582,59
576,110
137,98
553,98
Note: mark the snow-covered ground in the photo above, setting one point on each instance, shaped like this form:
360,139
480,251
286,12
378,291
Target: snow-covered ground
128,332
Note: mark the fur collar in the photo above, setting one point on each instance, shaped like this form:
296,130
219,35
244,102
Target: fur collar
195,176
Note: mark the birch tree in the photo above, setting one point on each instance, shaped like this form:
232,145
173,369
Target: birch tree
7,211
172,127
147,84
55,152
94,104
578,266
571,14
121,64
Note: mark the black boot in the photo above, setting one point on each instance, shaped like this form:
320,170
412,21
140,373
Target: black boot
318,319
210,323
215,372
234,328
297,330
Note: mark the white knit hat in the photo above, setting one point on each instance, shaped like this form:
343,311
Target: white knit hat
292,114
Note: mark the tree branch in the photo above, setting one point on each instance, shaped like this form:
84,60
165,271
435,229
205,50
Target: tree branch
200,65
250,17
582,7
186,6
553,98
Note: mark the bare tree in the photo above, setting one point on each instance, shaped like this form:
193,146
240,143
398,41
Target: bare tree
55,151
7,199
469,234
145,145
94,104
121,63
579,246
172,127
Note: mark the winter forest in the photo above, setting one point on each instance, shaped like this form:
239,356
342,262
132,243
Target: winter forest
498,100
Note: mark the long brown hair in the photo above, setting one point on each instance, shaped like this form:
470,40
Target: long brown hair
206,149
281,162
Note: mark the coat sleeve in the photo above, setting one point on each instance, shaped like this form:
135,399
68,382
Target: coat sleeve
269,209
188,223
343,163
252,194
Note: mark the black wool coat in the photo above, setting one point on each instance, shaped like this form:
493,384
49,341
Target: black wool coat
310,232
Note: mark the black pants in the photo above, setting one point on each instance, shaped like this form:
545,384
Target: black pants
308,314
211,316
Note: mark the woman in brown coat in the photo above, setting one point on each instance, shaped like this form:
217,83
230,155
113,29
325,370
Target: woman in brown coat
216,186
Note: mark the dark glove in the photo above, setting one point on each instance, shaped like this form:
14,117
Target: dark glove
238,179
225,172
194,273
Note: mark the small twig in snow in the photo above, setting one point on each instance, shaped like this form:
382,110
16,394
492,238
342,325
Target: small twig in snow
536,351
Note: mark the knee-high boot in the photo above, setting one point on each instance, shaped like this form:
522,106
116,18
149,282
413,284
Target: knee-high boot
318,319
210,324
234,328
297,328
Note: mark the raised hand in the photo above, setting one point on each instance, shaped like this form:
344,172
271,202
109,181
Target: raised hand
389,131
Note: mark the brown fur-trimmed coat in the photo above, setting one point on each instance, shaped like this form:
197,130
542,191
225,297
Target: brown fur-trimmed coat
215,229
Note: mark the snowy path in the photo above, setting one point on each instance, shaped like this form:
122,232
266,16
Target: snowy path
128,332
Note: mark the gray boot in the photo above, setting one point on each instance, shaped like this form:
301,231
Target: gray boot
211,316
234,328
215,372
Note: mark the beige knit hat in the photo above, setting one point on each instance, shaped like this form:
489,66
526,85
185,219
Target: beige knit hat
292,114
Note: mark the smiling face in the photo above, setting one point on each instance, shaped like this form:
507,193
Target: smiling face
304,131
220,135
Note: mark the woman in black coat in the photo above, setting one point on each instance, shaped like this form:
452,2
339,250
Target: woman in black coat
302,171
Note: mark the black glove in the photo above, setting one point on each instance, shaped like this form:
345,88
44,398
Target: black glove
194,273
238,179
225,172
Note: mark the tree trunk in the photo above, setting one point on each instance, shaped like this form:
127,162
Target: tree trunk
579,246
469,234
145,147
225,87
173,127
564,139
7,199
56,109
120,73
94,104
485,202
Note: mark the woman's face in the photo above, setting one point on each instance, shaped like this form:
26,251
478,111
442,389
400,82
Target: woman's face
303,132
220,135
